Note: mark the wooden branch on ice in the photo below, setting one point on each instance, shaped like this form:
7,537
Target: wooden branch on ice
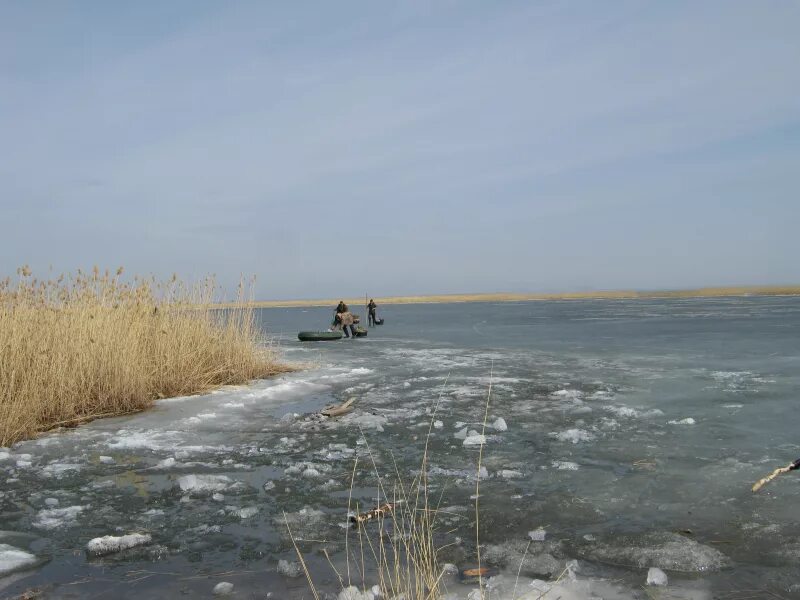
762,482
337,411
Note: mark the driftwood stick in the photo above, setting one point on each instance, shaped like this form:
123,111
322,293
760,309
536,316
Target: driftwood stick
765,480
336,411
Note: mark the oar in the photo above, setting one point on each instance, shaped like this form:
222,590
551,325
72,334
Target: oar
790,467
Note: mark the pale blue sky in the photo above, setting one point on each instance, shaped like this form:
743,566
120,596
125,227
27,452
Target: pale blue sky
337,148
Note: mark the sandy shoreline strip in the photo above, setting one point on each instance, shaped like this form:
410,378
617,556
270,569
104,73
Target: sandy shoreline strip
710,292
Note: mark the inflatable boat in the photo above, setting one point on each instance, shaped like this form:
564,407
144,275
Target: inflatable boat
319,336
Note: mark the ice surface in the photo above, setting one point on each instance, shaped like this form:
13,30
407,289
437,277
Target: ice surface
656,576
109,544
13,559
54,518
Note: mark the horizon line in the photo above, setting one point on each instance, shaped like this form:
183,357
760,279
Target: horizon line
625,294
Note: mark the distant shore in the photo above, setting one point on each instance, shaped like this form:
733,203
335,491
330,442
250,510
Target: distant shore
710,292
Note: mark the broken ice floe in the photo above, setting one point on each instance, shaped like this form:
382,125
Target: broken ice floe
686,421
500,424
109,544
573,435
209,483
656,576
54,518
565,465
665,550
223,588
537,535
474,439
13,559
290,568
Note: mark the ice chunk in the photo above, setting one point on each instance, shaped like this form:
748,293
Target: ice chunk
573,435
247,512
656,576
107,460
509,474
51,502
474,440
565,465
53,518
205,483
217,497
4,455
500,424
353,593
167,463
537,535
290,569
460,434
438,424
686,421
664,550
375,422
223,589
14,559
109,544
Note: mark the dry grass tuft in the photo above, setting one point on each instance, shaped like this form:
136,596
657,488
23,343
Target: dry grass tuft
90,345
400,548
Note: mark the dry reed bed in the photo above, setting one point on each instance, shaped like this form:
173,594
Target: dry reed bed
91,345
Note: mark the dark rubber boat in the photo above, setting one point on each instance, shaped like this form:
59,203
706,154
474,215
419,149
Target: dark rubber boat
319,336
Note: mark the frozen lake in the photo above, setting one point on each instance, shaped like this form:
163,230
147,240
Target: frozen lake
623,435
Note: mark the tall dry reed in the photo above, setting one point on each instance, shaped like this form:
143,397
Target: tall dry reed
400,548
92,345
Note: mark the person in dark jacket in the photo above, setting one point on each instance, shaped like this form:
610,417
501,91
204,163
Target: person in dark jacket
371,308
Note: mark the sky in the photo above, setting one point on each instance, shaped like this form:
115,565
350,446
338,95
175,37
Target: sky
342,148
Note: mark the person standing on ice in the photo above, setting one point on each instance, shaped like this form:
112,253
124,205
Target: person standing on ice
371,308
344,319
